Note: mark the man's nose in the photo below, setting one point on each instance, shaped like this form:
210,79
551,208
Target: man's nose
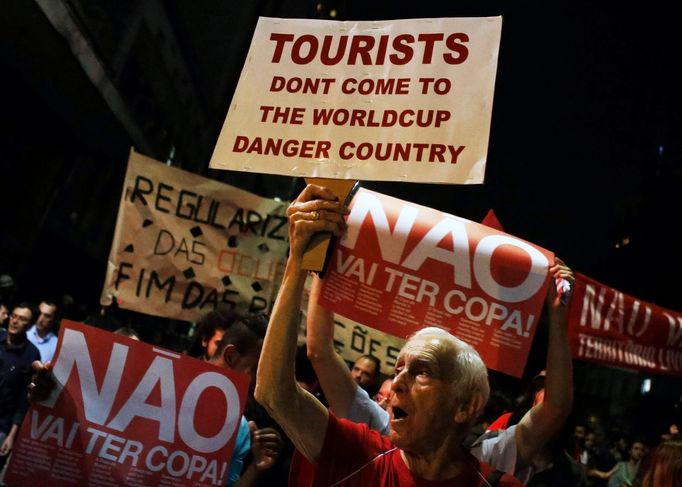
398,384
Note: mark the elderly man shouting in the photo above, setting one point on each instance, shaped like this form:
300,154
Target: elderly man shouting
439,388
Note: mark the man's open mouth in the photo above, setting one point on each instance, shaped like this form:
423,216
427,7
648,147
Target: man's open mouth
399,413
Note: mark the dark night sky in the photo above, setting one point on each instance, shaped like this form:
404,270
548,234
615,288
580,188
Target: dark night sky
584,146
584,150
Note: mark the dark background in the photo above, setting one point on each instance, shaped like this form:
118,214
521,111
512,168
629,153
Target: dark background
584,156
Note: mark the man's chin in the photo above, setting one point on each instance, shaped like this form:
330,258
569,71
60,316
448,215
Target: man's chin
396,438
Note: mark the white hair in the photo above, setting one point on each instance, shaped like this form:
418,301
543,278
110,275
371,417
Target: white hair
468,372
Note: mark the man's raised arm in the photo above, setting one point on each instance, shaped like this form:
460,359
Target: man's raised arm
332,372
546,418
303,417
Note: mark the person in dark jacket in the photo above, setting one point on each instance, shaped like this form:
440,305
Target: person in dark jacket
16,356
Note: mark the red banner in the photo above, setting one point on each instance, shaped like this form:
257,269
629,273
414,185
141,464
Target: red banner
402,267
128,413
612,328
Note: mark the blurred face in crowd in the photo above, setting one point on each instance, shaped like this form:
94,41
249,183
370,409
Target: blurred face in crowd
211,344
45,318
4,313
244,362
579,433
636,451
589,440
383,396
19,320
364,372
247,363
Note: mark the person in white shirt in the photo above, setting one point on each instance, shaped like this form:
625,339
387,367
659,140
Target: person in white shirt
41,334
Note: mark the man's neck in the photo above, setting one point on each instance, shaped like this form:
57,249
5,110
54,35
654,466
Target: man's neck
16,338
42,333
442,463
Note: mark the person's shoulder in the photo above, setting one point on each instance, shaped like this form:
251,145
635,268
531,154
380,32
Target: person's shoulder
347,427
32,351
496,477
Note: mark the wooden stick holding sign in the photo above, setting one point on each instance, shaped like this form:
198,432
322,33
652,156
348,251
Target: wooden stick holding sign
318,253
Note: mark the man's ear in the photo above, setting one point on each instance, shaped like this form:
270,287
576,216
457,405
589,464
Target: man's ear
468,411
230,355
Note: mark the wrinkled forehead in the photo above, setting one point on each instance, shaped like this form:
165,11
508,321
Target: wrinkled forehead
436,349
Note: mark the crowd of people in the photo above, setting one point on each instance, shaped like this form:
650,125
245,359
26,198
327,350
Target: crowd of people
311,419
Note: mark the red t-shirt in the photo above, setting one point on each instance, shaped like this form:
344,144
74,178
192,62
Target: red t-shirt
358,456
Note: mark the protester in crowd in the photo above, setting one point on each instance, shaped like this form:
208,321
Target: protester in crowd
239,350
4,315
40,334
619,448
665,466
16,356
384,393
498,406
576,448
210,330
625,473
514,449
440,386
603,459
673,433
7,288
366,371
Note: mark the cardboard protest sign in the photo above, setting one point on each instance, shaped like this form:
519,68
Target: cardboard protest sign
609,327
185,244
128,413
401,100
402,266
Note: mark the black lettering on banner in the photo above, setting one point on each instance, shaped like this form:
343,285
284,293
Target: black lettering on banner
159,244
162,197
196,258
238,219
227,293
373,346
209,214
253,218
139,192
189,301
281,221
121,275
140,279
392,353
165,243
358,336
338,344
212,297
198,255
257,304
181,205
197,296
154,279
